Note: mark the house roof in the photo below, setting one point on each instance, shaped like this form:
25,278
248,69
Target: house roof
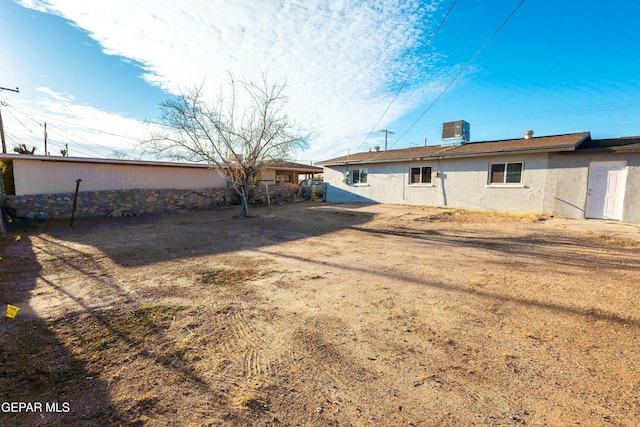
99,161
625,144
271,165
283,165
567,142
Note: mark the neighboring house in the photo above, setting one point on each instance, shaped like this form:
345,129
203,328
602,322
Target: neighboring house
287,172
569,175
53,175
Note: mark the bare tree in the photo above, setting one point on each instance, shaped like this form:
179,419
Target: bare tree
238,141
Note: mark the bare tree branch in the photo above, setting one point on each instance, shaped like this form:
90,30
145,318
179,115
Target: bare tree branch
237,141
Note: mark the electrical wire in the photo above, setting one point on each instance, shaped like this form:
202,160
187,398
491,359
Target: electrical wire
66,133
462,70
57,119
604,107
415,65
85,150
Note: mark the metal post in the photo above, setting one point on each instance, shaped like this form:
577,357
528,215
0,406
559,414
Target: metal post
266,186
75,200
386,133
4,144
3,228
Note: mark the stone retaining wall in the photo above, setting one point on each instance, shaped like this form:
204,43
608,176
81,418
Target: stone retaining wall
133,202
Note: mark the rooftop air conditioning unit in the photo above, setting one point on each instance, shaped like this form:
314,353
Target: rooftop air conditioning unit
458,131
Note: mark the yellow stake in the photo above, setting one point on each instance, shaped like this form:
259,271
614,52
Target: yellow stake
12,310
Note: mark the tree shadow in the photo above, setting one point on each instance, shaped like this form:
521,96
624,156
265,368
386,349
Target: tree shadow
62,348
563,248
591,314
153,240
141,241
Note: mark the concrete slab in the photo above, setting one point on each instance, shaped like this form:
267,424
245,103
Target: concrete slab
606,227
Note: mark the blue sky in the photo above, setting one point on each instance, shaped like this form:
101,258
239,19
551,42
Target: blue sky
96,71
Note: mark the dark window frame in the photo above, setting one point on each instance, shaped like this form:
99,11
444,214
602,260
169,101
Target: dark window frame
359,176
505,173
422,173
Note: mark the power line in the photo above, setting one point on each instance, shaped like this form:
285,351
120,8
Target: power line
15,117
57,119
462,70
609,106
37,122
67,132
415,64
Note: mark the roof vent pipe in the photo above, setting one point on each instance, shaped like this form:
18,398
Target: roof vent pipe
528,134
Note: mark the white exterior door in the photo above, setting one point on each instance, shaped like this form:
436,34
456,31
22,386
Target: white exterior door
605,195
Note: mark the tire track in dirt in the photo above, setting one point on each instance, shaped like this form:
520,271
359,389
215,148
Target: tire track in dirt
244,342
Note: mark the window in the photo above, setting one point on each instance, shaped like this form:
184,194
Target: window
359,176
505,173
420,175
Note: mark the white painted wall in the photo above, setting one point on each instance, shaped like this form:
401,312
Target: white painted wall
464,184
35,176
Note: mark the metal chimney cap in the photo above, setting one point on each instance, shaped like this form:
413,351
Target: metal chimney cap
376,148
528,134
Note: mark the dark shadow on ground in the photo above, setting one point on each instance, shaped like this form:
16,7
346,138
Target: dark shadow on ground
587,314
153,239
180,235
565,248
35,366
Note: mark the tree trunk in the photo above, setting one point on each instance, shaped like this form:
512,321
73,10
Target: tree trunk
244,198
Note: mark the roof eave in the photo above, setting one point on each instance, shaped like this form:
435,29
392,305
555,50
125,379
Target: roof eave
513,151
307,169
42,158
442,153
453,156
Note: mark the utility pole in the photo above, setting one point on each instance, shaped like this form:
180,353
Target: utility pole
4,144
386,133
45,139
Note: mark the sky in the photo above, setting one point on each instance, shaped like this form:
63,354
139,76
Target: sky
96,72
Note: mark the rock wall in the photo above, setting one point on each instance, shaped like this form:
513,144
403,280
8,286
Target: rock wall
134,202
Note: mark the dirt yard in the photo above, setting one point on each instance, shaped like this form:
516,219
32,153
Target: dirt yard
312,314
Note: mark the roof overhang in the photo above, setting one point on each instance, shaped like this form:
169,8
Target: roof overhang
449,152
60,159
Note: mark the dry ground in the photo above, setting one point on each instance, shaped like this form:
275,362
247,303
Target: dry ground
305,315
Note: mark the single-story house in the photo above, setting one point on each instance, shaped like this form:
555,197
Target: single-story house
32,174
282,172
569,175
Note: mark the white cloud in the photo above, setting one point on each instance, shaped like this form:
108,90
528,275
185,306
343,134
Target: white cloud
55,95
342,60
88,131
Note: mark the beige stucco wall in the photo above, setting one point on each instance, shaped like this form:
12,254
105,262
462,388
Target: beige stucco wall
463,183
571,179
34,176
267,175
